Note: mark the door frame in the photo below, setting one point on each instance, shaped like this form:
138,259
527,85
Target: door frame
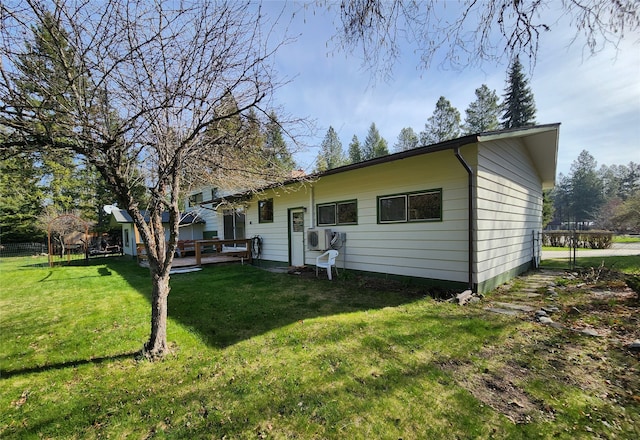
289,232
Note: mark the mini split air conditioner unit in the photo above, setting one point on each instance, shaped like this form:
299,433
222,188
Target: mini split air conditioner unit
319,239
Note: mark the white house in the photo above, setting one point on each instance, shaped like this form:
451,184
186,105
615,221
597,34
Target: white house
191,228
464,212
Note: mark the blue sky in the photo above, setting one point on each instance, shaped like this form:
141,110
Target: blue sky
595,98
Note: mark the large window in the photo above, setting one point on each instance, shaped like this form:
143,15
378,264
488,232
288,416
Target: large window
234,227
265,211
338,213
422,206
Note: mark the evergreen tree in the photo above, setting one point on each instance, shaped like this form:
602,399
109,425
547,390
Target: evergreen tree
374,144
51,80
407,140
519,106
482,114
252,129
275,146
331,154
586,188
355,150
21,199
561,196
442,125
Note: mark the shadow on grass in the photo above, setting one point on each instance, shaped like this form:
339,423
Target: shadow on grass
225,304
6,374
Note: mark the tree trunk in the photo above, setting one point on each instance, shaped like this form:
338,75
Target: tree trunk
157,345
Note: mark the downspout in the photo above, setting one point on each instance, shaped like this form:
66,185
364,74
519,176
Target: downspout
471,214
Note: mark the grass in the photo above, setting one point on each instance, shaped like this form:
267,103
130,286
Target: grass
629,264
263,355
626,238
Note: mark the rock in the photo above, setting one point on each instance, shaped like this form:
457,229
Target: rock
589,332
550,309
540,313
634,346
573,311
464,297
545,320
474,299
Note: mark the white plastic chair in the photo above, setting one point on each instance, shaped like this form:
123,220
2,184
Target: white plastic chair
326,261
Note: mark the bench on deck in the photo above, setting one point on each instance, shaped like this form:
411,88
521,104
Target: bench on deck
185,246
240,249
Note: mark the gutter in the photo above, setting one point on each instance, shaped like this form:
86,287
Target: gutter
471,215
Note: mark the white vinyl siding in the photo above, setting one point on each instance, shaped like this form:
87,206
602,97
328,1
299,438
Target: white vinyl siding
436,250
509,208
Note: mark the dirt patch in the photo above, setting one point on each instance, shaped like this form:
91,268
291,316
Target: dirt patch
538,365
377,283
500,390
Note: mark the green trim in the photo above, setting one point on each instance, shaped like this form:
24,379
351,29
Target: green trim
406,206
265,220
208,235
267,264
498,280
335,220
409,280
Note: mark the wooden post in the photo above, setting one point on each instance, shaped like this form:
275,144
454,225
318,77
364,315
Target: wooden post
198,254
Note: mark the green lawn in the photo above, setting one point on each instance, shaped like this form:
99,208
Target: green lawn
263,355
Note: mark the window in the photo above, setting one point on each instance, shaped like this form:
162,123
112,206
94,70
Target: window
234,224
411,207
195,199
338,213
265,211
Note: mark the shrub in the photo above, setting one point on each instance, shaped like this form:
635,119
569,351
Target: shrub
582,239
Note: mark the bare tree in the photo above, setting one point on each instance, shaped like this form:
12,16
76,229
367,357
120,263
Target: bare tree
142,95
469,32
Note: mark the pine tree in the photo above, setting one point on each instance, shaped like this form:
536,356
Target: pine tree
519,106
331,154
586,188
51,79
355,150
275,146
482,114
407,140
442,125
374,144
20,204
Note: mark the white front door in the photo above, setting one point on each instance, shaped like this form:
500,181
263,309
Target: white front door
296,237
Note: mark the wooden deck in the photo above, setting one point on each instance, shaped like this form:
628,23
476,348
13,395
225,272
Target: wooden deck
207,252
205,260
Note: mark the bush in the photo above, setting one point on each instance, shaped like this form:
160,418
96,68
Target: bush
581,239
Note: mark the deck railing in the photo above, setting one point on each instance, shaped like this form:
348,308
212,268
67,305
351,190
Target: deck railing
234,248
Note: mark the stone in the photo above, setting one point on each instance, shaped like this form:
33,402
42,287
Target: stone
550,309
589,332
540,313
520,307
545,320
635,345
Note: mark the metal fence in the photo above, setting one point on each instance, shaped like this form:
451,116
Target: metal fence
23,250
